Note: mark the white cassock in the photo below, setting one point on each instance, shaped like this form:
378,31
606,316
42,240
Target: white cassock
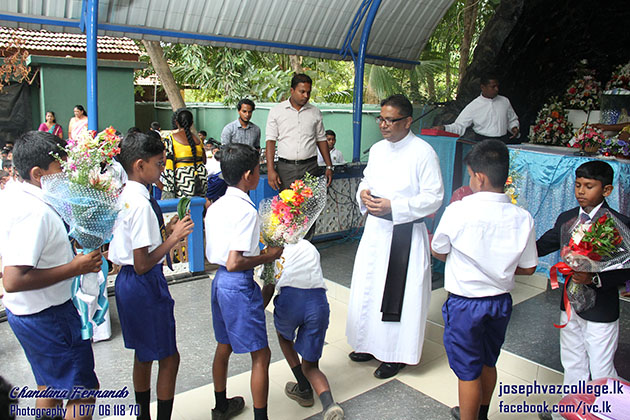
408,174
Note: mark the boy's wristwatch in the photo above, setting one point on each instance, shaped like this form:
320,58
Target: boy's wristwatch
332,168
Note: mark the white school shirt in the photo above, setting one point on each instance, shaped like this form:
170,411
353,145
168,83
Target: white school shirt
336,157
486,237
301,267
35,237
137,225
489,117
295,132
231,225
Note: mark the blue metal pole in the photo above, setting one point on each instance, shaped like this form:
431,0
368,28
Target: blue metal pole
91,31
359,67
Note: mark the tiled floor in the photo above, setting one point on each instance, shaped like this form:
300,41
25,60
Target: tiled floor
425,391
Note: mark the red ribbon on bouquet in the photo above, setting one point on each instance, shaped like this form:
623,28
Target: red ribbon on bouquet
567,272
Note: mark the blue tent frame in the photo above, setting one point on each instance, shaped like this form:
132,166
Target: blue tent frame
89,24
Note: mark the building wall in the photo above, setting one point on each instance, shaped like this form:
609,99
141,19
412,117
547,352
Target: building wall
63,85
213,117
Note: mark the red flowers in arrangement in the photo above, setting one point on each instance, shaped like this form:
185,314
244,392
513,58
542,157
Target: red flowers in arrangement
596,240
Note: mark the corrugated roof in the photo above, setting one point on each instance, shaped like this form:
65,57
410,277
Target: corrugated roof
400,30
64,42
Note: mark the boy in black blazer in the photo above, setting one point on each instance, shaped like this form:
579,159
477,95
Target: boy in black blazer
589,340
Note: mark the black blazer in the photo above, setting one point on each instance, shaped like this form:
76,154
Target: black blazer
606,307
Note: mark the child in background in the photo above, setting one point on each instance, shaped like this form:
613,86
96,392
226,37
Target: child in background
39,267
485,240
589,341
139,246
238,315
301,306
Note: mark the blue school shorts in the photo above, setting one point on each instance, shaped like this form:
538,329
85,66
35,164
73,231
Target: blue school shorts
474,331
304,310
238,315
145,309
52,341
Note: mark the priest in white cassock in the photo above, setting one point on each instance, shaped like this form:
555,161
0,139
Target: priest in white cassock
391,281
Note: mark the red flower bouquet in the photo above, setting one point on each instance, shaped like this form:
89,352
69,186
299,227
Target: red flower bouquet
592,247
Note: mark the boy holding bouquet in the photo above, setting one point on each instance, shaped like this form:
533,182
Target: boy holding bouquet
139,246
485,240
589,340
238,314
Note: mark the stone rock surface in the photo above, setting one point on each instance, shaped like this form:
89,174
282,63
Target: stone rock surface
533,46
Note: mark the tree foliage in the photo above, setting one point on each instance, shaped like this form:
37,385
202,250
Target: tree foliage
222,74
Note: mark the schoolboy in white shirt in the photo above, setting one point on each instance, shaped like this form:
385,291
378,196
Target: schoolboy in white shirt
301,314
485,240
39,266
145,306
238,314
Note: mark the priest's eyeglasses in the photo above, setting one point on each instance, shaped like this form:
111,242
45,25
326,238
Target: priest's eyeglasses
388,121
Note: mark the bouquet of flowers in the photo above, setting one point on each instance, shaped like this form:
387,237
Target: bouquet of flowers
85,194
589,138
552,125
592,247
287,217
583,92
510,187
620,78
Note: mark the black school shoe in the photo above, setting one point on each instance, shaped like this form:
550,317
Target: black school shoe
457,415
387,370
235,406
360,357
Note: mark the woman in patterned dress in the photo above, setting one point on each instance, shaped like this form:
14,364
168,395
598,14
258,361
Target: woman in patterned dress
185,172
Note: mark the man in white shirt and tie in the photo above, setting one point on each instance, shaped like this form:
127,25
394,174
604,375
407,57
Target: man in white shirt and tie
490,114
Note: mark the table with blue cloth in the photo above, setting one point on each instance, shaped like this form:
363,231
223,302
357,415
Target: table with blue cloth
546,186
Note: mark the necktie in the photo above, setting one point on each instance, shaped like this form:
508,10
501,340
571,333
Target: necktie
584,218
158,212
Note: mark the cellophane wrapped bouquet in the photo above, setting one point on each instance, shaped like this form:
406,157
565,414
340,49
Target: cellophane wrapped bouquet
85,194
287,217
595,246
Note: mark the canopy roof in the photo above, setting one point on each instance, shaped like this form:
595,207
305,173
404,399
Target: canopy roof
316,28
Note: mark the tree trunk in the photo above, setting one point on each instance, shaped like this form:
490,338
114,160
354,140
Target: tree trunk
414,87
471,9
431,86
296,64
154,49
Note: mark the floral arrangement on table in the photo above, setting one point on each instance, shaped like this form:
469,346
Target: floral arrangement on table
614,146
287,217
85,194
591,247
588,138
583,92
552,126
620,78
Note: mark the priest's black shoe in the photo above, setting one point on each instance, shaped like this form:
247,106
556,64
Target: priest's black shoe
387,370
360,357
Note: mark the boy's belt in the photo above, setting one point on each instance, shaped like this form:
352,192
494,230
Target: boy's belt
298,162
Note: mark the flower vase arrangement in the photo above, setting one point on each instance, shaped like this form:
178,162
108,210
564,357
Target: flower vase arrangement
620,78
591,247
617,147
589,139
85,194
552,126
287,217
583,92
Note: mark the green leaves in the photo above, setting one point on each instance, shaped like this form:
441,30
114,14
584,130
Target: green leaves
182,207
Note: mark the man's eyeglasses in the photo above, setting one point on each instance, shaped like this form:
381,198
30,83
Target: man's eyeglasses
388,121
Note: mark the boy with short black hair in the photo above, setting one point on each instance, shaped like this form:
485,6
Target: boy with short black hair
485,240
589,341
39,267
139,246
301,314
238,315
